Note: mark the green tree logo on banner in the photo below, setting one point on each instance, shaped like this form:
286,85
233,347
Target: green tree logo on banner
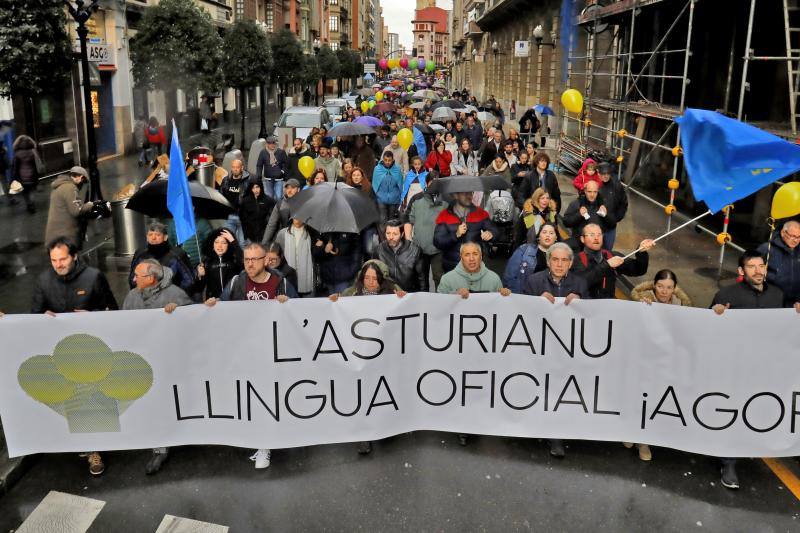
86,383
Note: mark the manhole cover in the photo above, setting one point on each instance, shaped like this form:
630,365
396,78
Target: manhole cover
713,272
18,247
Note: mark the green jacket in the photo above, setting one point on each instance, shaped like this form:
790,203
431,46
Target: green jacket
484,280
422,212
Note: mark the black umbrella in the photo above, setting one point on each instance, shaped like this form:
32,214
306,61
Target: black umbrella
329,207
151,200
452,104
455,184
424,128
349,129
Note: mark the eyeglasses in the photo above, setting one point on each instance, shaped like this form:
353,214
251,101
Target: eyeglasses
254,259
592,235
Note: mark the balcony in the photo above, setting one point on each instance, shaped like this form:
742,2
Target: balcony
500,12
343,13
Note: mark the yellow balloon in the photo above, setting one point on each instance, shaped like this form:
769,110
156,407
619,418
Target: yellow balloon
572,100
379,96
405,137
364,106
306,166
786,202
394,63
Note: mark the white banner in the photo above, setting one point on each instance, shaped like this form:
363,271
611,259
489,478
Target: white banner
271,375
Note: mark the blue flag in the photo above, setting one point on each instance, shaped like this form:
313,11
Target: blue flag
179,200
419,142
727,159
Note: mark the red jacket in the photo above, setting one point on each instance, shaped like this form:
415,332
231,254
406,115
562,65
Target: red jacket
159,138
439,162
582,178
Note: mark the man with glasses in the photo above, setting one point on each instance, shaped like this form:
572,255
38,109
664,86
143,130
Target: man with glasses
600,267
257,282
783,269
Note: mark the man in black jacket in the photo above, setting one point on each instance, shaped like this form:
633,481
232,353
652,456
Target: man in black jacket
272,167
68,287
753,292
173,257
600,267
403,257
587,209
539,176
233,187
615,198
461,222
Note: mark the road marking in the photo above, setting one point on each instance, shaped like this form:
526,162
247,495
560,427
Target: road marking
62,513
176,524
788,478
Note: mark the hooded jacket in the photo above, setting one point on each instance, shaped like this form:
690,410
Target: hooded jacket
65,210
157,296
783,269
484,280
84,288
646,289
23,167
582,178
254,213
445,239
219,270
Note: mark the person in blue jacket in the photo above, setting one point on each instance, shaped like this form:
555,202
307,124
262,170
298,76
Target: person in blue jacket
415,181
387,183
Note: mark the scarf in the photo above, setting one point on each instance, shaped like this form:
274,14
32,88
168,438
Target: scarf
297,251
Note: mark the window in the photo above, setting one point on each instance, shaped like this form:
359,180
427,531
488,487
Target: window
335,45
421,38
270,18
239,9
333,2
334,23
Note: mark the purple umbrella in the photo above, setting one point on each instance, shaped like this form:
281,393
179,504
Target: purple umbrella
372,122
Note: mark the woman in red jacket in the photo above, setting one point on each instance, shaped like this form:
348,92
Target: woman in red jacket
439,159
156,138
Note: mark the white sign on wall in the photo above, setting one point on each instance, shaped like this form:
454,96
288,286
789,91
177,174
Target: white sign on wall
522,48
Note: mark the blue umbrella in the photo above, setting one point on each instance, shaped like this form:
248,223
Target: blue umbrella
543,109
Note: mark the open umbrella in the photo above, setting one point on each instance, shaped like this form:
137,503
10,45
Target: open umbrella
334,207
372,122
486,116
456,184
438,127
366,92
543,109
346,129
417,105
384,107
426,94
443,114
388,89
151,200
424,128
452,104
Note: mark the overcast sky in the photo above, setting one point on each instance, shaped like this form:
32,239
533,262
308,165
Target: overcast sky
398,15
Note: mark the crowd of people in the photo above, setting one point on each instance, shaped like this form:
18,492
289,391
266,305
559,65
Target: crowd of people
422,241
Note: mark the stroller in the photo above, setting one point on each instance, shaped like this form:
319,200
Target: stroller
503,213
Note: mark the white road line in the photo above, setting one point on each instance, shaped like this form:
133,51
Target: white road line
62,513
176,524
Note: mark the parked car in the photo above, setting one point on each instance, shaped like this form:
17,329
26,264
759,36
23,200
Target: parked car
303,119
337,108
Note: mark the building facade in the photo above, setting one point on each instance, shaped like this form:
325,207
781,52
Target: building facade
432,34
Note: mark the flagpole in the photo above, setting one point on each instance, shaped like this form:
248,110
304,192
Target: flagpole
695,219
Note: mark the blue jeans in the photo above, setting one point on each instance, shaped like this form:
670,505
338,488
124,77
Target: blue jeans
234,224
609,236
274,188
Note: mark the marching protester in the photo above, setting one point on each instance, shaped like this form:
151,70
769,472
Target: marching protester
255,208
387,183
331,165
298,150
66,209
465,163
257,282
339,258
539,209
459,223
222,260
539,177
280,217
783,268
276,261
439,159
414,182
420,222
72,286
588,208
530,257
615,200
600,267
399,156
234,187
402,257
173,257
25,168
296,241
272,167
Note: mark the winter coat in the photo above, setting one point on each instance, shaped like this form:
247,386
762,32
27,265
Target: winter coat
538,283
237,287
387,183
503,171
474,134
294,158
155,137
484,280
645,290
65,211
439,162
405,264
601,278
783,269
464,165
444,236
85,288
615,198
173,257
219,272
533,181
582,178
332,167
400,158
234,189
23,167
522,262
488,150
254,213
299,258
343,266
268,169
422,211
364,158
576,222
157,296
279,218
742,295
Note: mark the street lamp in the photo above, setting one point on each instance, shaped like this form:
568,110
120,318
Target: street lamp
81,13
496,49
317,46
538,36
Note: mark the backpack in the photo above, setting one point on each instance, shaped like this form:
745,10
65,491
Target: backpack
501,206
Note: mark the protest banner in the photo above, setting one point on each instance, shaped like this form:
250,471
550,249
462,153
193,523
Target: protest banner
311,371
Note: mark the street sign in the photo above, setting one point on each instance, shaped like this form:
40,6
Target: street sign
522,48
369,67
100,53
